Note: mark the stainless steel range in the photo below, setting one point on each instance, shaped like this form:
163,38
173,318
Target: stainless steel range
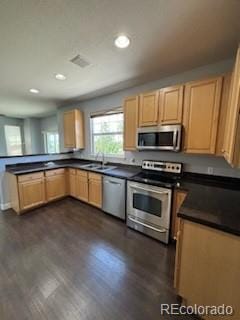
149,198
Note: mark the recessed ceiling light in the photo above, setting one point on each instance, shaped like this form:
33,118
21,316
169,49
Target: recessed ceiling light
60,76
122,41
33,90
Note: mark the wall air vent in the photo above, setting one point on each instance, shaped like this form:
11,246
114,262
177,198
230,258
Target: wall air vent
80,61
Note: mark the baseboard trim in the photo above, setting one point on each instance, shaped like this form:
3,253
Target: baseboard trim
5,206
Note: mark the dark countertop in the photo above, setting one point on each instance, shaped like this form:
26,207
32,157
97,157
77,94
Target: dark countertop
212,201
120,170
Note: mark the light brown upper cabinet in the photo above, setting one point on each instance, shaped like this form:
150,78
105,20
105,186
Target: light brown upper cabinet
73,129
231,148
148,109
171,105
201,114
223,114
130,110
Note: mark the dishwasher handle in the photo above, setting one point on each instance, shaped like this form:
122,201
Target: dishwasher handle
112,182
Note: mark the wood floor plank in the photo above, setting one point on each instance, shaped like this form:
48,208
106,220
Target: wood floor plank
71,261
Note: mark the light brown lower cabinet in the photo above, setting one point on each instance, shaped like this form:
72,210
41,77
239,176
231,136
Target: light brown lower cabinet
95,189
26,191
72,182
207,268
31,193
82,185
55,184
35,189
86,186
178,198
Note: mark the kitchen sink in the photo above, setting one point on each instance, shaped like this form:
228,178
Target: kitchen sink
90,165
97,167
104,168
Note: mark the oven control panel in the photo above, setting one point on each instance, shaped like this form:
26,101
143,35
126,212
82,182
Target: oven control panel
163,166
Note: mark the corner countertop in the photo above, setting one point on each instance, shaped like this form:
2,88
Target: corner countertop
120,170
212,201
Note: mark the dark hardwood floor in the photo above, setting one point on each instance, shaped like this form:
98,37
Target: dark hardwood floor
70,261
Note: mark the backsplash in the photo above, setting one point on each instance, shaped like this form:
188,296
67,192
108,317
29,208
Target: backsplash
191,163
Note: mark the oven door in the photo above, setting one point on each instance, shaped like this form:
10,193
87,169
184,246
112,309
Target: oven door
159,138
149,205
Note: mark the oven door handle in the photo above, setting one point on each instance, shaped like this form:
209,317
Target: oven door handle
147,225
150,190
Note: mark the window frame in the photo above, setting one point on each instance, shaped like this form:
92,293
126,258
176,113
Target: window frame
21,139
92,134
45,141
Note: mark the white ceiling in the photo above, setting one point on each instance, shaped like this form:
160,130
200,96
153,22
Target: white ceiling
39,37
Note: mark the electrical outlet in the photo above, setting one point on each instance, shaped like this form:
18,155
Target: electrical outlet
210,170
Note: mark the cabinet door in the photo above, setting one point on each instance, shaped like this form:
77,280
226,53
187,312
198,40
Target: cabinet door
171,105
82,187
201,113
223,114
95,190
231,148
130,122
72,185
69,129
209,268
148,109
178,198
31,193
179,236
55,187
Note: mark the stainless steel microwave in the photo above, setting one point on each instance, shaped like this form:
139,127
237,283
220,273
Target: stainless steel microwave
165,137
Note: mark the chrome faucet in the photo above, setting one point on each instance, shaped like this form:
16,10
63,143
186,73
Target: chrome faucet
103,158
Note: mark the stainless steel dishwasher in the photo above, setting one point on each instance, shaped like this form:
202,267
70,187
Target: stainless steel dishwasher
114,196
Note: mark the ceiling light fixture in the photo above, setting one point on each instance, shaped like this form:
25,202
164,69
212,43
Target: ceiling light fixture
33,90
122,41
60,76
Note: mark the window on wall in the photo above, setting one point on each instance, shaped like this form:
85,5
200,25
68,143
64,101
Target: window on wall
51,142
107,133
13,140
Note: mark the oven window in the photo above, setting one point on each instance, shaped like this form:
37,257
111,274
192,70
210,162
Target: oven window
147,204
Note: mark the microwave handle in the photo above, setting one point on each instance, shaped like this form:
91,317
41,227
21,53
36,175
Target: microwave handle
175,136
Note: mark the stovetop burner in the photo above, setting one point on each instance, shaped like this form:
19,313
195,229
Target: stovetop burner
155,179
163,174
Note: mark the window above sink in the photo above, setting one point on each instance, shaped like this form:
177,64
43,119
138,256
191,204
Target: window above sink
107,133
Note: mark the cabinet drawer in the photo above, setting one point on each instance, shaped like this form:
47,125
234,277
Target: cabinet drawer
30,176
72,171
54,172
82,173
94,176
